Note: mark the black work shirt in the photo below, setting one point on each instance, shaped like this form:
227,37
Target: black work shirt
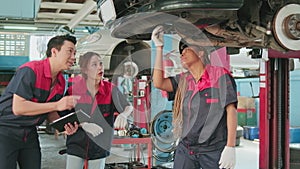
32,81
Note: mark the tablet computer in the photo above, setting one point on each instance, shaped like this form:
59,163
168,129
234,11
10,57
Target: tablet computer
69,118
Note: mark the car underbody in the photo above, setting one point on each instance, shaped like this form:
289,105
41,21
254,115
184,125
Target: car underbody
273,24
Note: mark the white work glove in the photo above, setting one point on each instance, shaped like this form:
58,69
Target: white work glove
158,36
92,128
121,120
227,159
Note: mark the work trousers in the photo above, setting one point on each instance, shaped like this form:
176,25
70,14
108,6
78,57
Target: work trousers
17,147
187,157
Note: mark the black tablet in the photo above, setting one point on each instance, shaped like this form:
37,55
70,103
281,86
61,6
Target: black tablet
69,118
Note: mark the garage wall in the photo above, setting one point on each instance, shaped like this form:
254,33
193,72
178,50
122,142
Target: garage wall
26,9
244,88
13,51
294,98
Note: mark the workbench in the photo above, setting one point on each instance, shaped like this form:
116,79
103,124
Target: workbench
137,141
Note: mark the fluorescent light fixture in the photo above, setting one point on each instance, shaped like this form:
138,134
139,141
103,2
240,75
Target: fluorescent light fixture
20,27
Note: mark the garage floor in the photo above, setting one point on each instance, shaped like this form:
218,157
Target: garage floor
246,153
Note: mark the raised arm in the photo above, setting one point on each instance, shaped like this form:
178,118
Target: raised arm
159,81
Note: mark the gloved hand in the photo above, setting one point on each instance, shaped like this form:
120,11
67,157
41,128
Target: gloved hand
121,120
158,36
92,128
227,159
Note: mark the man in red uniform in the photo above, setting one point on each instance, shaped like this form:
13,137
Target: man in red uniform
33,94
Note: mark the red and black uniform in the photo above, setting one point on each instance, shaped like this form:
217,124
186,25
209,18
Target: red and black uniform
101,108
204,112
18,134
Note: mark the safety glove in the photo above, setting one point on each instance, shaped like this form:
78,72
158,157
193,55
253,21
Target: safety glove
121,120
91,128
227,159
158,36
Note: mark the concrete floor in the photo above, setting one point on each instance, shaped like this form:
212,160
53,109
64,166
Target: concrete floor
50,147
246,153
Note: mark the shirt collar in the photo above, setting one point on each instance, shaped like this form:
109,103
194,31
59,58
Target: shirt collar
102,89
205,74
47,71
80,87
47,68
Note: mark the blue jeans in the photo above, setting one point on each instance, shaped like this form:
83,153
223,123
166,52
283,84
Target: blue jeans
74,162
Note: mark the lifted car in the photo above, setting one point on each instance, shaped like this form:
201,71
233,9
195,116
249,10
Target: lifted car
273,24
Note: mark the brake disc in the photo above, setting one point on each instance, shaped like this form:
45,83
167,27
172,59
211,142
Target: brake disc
286,26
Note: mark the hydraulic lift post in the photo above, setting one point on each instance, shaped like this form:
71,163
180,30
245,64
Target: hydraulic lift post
274,123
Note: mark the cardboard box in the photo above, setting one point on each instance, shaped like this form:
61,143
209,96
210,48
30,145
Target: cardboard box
245,102
247,117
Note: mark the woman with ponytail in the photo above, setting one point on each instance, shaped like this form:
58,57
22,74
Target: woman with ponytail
205,102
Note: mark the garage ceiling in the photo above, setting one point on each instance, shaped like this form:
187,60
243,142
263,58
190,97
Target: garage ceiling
48,15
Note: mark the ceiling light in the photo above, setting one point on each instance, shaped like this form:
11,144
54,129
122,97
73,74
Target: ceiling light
20,27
